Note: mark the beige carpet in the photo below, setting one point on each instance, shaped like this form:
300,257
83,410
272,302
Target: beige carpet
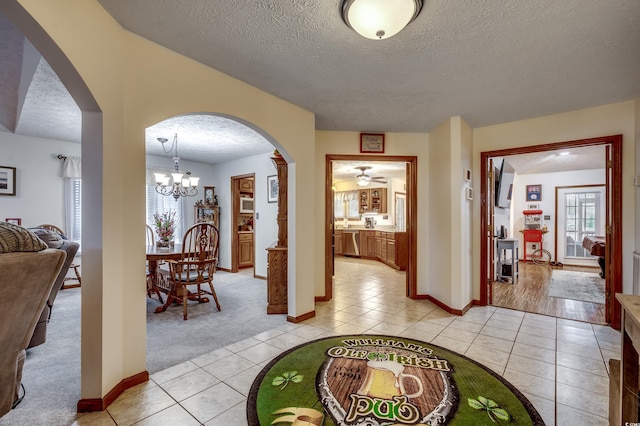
574,285
52,370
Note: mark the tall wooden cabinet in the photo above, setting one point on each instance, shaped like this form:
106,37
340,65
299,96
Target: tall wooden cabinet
206,213
277,255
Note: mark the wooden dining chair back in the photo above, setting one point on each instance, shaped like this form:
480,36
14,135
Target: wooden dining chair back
196,266
159,276
75,267
151,238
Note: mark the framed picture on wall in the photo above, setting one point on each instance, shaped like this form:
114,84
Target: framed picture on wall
7,180
534,192
272,189
372,142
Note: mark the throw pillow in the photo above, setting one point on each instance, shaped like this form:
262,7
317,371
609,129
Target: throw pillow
16,238
52,239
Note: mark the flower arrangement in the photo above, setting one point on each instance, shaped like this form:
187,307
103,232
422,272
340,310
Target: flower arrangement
165,225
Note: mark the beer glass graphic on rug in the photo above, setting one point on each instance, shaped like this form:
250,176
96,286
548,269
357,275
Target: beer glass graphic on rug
386,379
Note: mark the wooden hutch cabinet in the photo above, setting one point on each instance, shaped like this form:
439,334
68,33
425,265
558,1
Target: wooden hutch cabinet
277,266
206,213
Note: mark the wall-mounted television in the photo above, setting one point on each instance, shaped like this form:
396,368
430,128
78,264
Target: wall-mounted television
504,185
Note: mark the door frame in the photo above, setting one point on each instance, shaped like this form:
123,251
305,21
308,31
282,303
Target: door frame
613,258
411,225
235,211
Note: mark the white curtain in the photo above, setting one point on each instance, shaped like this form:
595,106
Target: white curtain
72,175
344,203
72,168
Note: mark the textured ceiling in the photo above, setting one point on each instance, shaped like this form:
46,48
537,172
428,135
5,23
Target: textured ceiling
489,61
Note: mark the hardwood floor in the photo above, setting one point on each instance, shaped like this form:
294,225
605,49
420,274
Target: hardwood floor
529,294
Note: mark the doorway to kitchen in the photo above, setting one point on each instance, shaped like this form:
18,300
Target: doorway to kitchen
382,243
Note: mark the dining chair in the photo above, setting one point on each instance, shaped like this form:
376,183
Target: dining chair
74,266
152,281
151,238
196,266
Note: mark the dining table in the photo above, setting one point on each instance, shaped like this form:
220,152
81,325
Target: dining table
155,255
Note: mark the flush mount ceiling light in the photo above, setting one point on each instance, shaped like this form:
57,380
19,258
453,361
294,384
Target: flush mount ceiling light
379,19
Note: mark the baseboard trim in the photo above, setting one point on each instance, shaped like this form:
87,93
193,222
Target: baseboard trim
443,306
100,404
321,299
301,318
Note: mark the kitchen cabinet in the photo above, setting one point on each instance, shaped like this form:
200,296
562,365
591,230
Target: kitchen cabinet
246,185
378,200
368,244
373,200
391,252
365,200
245,249
402,250
338,242
391,248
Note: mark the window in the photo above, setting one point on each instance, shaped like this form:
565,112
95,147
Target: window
345,204
157,203
73,209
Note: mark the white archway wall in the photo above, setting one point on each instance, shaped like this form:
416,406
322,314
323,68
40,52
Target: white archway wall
122,72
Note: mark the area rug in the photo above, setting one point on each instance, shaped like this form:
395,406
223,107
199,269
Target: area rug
382,380
583,286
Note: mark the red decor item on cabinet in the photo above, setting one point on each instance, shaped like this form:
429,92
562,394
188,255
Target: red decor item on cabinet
531,236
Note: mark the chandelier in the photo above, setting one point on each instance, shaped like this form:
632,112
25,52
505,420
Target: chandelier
178,184
379,19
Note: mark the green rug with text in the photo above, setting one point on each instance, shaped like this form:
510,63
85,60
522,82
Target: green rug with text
382,380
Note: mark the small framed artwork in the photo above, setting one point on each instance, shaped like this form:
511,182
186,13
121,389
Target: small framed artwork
209,192
7,180
468,193
14,220
467,175
372,142
272,189
534,192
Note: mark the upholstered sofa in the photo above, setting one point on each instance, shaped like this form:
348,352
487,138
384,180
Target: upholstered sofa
29,270
53,240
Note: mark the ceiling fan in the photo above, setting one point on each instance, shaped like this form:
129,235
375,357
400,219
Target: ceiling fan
363,179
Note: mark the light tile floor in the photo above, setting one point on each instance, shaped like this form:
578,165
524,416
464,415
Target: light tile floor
561,366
